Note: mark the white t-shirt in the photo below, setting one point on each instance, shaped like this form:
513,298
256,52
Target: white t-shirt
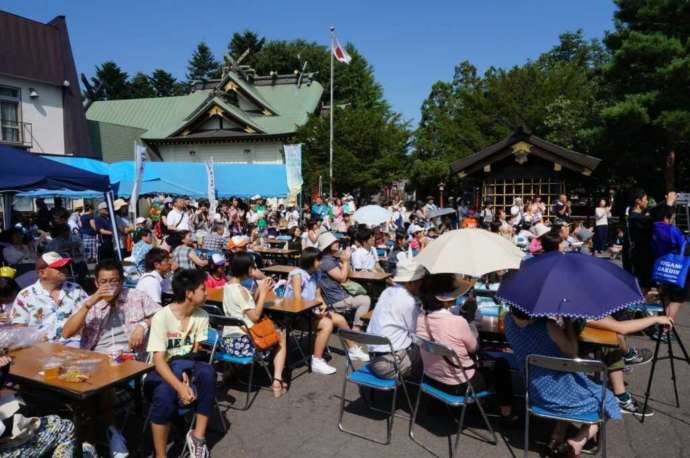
363,259
515,215
395,317
151,283
177,220
601,215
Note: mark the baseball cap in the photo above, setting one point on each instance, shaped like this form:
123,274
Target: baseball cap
102,206
218,259
53,260
167,200
408,270
140,220
237,242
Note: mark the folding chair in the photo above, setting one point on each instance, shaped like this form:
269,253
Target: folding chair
364,377
586,366
450,400
215,334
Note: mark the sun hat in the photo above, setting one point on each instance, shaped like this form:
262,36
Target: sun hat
326,240
51,259
408,270
119,203
102,206
455,287
218,259
540,229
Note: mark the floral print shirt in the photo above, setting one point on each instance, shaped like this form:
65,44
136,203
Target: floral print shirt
35,307
133,306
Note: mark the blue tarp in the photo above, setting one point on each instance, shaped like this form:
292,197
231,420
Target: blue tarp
21,171
182,178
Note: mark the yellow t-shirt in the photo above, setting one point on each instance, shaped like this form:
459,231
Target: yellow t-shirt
167,334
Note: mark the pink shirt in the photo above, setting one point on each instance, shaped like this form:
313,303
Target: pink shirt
212,282
454,332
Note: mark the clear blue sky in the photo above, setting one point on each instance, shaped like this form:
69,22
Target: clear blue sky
410,43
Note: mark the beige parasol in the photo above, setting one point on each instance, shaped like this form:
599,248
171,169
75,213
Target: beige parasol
471,252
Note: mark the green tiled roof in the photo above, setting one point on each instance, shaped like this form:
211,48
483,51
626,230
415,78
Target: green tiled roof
161,117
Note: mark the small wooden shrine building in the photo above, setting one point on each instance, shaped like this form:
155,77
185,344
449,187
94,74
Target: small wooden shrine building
526,166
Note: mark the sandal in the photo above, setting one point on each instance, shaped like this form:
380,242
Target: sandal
278,392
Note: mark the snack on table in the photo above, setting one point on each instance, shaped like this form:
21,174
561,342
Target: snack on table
73,375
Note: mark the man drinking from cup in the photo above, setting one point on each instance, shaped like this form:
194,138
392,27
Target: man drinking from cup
114,320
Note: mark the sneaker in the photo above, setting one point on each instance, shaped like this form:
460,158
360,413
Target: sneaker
197,448
357,354
320,366
635,356
632,407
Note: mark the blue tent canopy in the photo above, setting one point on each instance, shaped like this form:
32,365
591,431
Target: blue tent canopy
21,171
183,178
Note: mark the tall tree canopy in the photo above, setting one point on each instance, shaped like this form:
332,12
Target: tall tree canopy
114,80
648,124
247,40
140,87
555,97
203,65
165,85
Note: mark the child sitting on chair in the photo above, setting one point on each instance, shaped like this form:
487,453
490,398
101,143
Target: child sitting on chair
180,380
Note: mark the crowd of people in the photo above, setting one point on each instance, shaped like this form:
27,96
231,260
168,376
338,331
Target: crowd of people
153,304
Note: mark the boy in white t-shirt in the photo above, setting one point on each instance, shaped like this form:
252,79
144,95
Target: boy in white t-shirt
364,256
177,332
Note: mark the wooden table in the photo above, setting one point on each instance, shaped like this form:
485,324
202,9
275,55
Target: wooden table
278,269
589,335
276,242
278,254
291,309
28,362
369,276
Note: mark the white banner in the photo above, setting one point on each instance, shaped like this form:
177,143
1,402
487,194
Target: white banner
293,168
139,161
211,187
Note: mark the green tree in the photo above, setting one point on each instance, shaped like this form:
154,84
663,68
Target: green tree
246,40
647,126
203,65
140,87
114,80
165,85
555,97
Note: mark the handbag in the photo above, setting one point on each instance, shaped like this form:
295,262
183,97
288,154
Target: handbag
672,268
354,289
264,334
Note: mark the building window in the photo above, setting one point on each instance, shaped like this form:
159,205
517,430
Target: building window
10,115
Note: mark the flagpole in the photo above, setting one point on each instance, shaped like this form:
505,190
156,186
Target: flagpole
330,146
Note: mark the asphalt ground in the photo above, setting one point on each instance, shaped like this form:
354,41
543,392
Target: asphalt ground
304,421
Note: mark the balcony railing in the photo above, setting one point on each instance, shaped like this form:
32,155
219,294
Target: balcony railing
16,133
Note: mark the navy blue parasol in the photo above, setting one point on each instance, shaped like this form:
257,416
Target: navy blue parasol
569,284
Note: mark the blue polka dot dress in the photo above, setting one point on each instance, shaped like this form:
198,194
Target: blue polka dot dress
563,393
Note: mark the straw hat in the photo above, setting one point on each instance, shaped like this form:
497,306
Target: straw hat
408,270
326,240
459,286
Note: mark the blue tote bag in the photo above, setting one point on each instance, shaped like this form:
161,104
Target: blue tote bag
672,268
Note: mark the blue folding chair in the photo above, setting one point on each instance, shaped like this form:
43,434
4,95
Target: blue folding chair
586,366
470,397
363,376
215,333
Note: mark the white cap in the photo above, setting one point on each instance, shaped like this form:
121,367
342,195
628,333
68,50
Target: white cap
218,259
539,229
408,270
102,206
140,220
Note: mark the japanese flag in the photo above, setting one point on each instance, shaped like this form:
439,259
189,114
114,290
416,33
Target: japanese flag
339,52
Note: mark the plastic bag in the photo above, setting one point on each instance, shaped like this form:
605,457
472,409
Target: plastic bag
13,337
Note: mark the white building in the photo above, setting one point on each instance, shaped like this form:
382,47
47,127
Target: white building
40,103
